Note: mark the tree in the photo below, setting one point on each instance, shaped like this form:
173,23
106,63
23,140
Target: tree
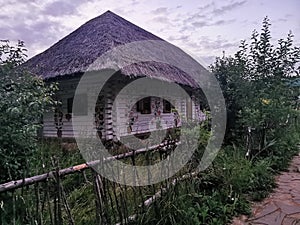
24,98
255,82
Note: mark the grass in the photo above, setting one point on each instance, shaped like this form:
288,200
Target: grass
227,188
214,196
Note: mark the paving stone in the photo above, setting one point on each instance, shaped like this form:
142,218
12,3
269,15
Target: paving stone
282,196
288,207
295,216
295,193
288,221
284,188
255,223
274,218
264,210
282,207
284,178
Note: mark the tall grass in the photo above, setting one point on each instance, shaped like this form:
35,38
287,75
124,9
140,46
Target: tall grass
214,196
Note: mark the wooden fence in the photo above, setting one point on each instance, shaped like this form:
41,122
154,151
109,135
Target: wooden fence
79,195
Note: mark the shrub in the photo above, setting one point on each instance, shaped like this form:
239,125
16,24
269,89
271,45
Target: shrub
24,98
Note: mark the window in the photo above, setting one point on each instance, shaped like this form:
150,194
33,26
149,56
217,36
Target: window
189,109
167,106
81,105
144,106
70,104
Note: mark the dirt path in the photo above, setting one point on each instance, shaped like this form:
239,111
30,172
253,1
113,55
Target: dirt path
282,207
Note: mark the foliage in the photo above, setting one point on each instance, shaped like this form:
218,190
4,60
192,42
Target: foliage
17,206
262,119
244,177
255,82
213,197
24,98
207,199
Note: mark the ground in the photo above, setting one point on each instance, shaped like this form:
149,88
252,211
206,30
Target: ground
282,207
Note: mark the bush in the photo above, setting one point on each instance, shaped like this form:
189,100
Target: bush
256,83
24,98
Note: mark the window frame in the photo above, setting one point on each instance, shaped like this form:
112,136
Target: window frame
143,106
83,110
167,106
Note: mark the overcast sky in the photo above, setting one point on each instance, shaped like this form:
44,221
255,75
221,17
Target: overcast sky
203,28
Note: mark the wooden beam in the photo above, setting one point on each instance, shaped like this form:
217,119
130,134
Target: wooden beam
73,169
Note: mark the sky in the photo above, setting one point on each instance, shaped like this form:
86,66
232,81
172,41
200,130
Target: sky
205,29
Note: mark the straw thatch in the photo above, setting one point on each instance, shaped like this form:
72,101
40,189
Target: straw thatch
77,51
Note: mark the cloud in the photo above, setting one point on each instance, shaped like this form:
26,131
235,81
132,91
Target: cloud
40,23
205,43
59,8
7,3
227,8
207,6
195,20
162,19
196,16
200,24
134,2
222,22
207,60
206,23
282,20
161,10
205,49
182,38
4,17
122,11
205,16
41,32
36,32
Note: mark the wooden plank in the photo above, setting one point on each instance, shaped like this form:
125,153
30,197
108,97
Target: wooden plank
70,170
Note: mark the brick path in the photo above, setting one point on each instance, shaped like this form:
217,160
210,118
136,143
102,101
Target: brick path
282,207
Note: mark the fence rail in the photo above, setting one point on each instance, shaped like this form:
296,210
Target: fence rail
62,172
48,198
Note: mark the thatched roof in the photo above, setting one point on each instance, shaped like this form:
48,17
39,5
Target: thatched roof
74,53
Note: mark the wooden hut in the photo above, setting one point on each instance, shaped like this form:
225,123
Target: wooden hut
66,61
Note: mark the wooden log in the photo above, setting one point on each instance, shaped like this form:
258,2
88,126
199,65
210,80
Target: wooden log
158,194
73,169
